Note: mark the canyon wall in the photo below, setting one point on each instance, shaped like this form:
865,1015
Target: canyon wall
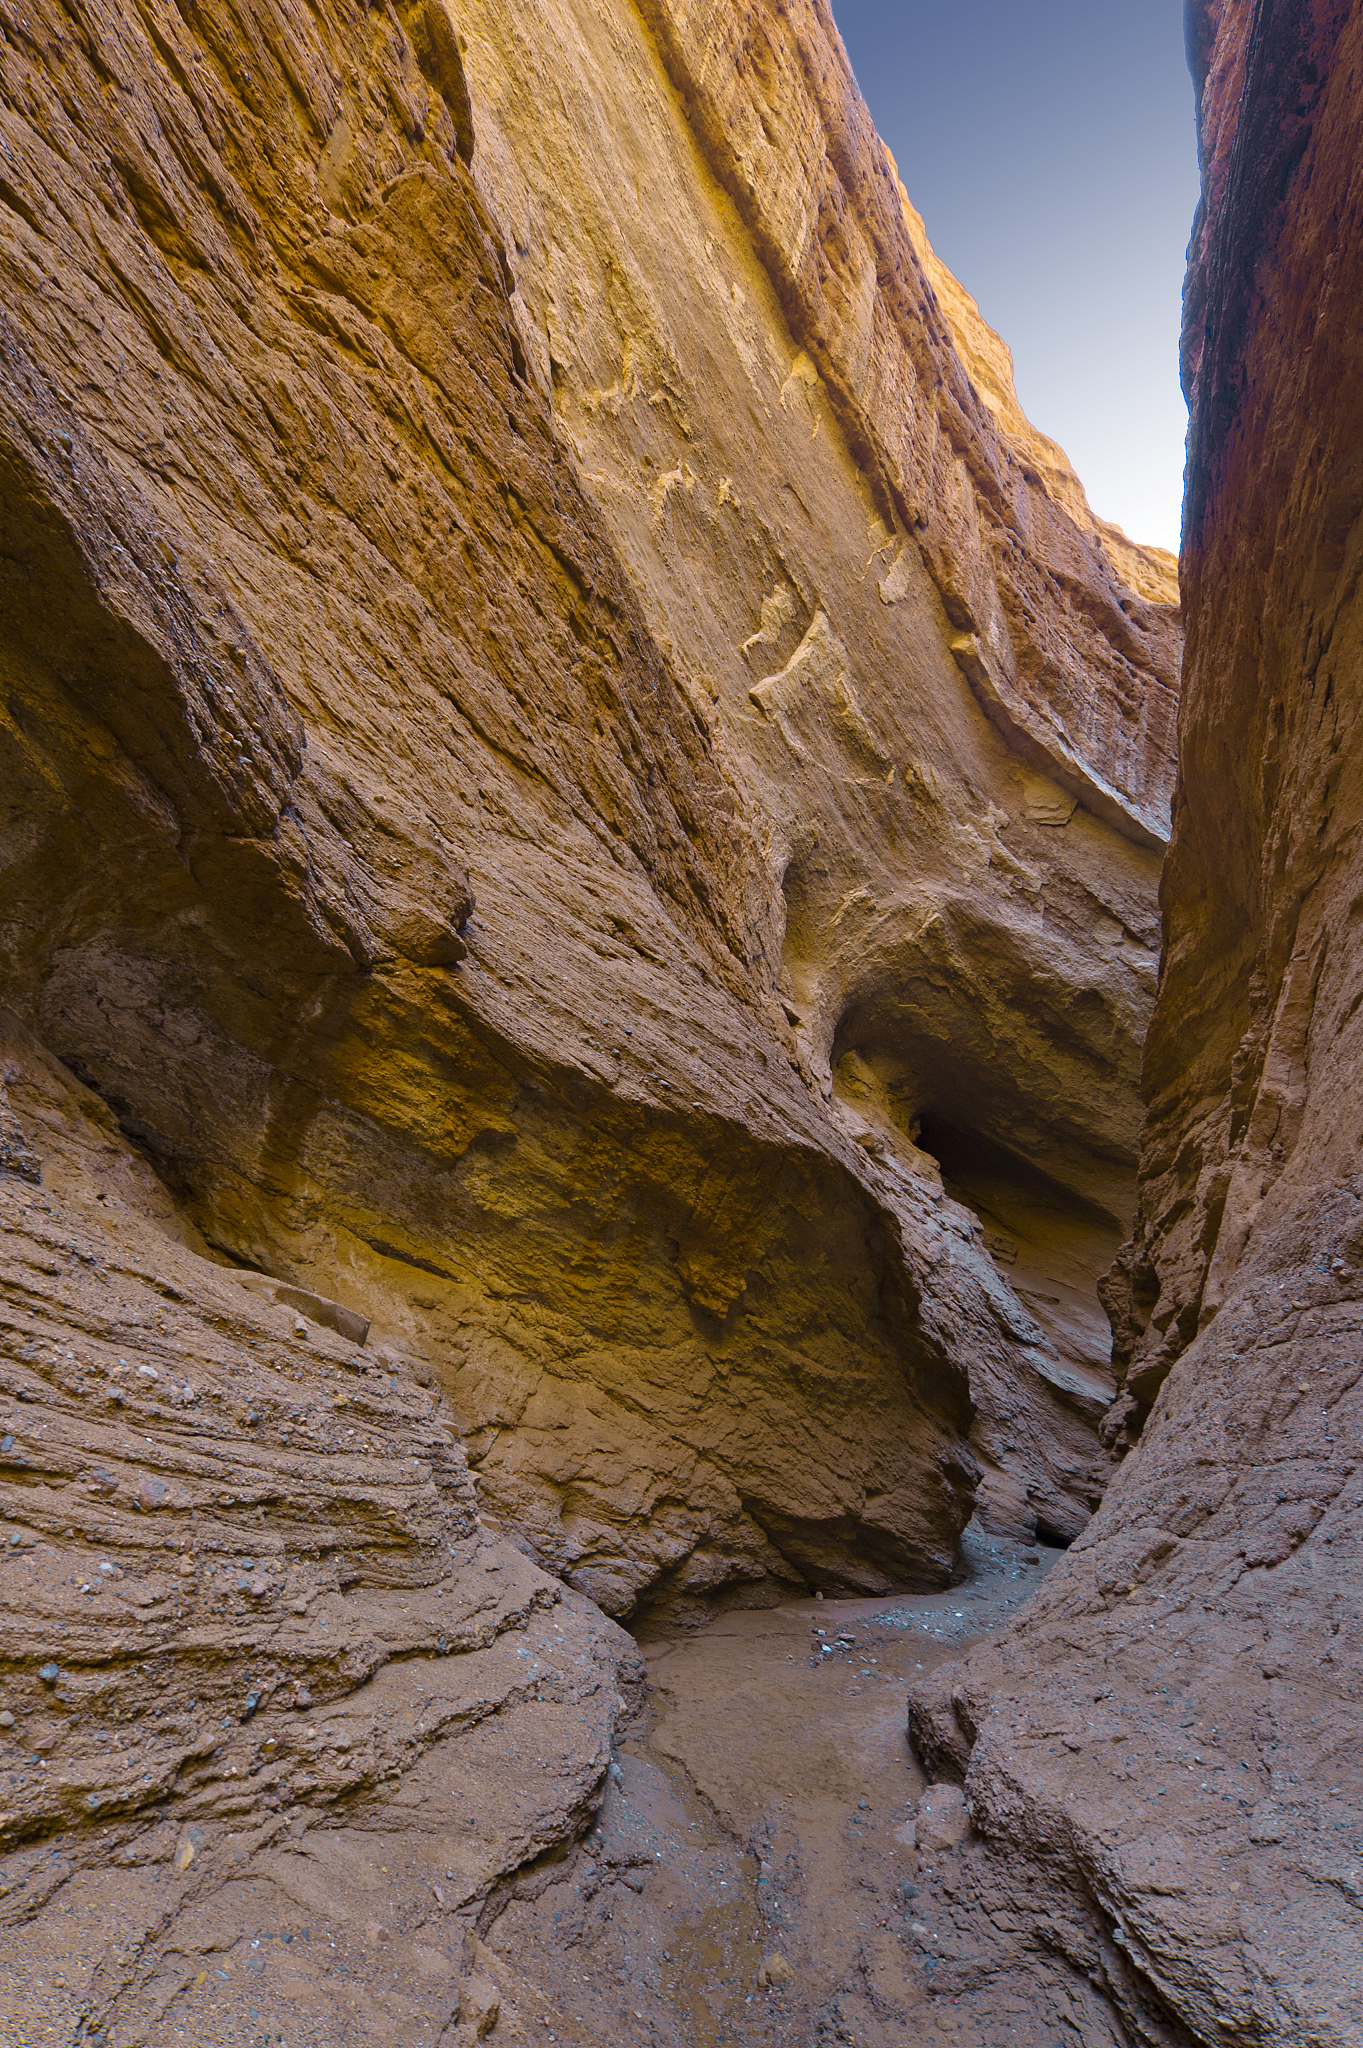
582,801
1170,1742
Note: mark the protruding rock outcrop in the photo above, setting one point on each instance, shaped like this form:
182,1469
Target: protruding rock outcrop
1170,1741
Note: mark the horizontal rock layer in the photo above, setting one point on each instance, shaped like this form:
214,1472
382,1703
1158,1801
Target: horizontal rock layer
258,1653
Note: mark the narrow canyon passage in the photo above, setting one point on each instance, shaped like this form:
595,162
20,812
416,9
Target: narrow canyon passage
655,998
760,1874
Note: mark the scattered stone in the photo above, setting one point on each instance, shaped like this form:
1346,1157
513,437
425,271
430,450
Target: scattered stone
187,1848
943,1821
774,1973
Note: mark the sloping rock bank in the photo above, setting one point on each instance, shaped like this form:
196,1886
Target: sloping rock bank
580,803
1170,1745
264,1671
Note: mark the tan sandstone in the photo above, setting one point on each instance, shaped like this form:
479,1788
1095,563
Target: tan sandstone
580,788
1163,1755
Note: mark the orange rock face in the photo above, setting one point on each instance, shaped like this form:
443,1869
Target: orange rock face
580,789
1171,1738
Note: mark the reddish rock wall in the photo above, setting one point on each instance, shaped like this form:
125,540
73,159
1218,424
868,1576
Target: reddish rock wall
1171,1739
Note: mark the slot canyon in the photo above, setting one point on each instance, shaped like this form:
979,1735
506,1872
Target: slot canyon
681,1295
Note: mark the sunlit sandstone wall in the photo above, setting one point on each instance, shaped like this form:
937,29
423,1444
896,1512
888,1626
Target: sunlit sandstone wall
887,601
467,458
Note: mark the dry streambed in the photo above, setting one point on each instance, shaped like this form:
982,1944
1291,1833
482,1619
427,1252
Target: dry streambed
765,1867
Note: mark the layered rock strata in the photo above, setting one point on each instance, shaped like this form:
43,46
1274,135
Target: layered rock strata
582,791
376,541
1170,1742
891,607
263,1670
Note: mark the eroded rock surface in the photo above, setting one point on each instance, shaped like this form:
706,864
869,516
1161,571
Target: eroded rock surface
1169,1744
377,540
582,791
263,1673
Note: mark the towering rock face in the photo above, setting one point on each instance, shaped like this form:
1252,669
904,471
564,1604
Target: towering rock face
1175,1731
580,786
524,458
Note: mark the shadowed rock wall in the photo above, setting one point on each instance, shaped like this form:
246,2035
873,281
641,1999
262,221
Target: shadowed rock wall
806,446
1171,1739
432,513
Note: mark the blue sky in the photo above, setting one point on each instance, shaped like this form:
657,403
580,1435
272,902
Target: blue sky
1050,147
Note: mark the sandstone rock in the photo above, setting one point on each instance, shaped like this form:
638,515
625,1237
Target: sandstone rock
898,1001
545,670
896,899
1163,1755
332,1315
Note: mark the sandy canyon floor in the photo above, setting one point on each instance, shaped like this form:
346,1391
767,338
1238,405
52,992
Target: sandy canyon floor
754,1874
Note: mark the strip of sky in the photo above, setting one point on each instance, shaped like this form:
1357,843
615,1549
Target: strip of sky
1051,150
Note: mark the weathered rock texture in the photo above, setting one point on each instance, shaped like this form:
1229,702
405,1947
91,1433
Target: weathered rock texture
381,533
1165,1756
578,786
262,1668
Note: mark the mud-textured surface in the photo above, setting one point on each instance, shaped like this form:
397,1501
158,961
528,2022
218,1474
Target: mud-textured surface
765,1869
1169,1745
581,801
